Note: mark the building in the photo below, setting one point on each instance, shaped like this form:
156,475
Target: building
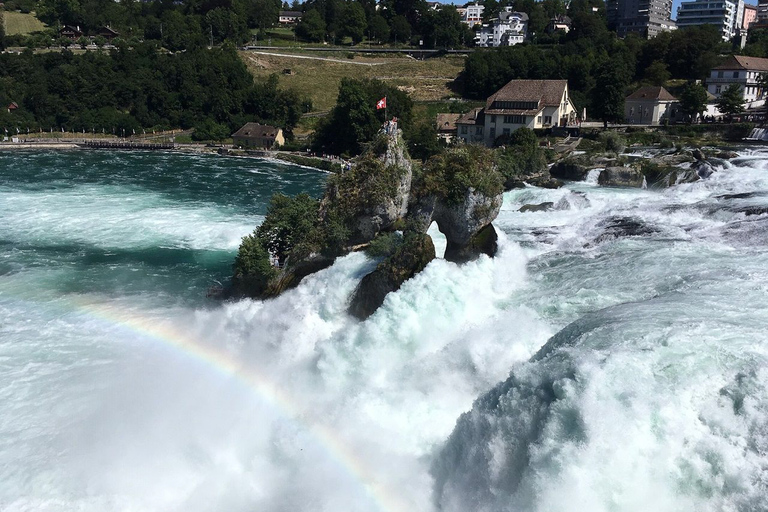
289,17
509,29
255,135
650,105
470,127
726,15
108,33
645,17
521,103
71,32
750,16
446,126
559,22
472,14
762,11
742,70
12,106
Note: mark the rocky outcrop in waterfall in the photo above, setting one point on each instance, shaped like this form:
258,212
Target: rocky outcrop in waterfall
460,190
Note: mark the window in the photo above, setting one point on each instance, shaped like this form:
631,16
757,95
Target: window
464,129
519,105
547,119
539,120
718,88
719,74
514,119
478,130
506,131
493,118
632,111
493,133
735,74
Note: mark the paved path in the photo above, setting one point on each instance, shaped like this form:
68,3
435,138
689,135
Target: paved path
341,61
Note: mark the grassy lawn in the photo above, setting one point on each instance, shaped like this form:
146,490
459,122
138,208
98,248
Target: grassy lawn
20,23
426,80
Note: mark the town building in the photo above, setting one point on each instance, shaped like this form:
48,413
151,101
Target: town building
650,105
472,14
255,135
750,16
559,22
71,32
742,70
289,17
762,11
108,33
521,103
509,29
647,18
12,106
446,126
726,15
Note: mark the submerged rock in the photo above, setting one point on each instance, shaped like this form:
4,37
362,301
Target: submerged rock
620,227
621,177
408,260
541,207
570,169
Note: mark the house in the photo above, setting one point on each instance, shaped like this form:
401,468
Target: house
255,135
750,16
472,14
108,33
521,103
650,105
471,126
446,126
289,17
509,29
434,5
559,22
12,106
744,71
71,32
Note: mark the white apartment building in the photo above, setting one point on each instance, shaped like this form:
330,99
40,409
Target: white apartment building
509,29
727,15
742,70
472,14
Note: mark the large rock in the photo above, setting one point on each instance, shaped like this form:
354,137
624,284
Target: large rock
408,260
460,222
570,169
621,177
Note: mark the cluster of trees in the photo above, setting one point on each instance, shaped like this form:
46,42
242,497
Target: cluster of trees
175,25
129,90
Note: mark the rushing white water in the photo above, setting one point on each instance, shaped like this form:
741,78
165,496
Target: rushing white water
637,363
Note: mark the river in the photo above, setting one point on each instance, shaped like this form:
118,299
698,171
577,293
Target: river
612,357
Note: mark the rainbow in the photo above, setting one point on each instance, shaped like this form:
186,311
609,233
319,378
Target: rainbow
261,387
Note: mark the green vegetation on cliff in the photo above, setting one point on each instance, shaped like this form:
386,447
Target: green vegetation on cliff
449,174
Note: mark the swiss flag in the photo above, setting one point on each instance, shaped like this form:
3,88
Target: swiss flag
382,103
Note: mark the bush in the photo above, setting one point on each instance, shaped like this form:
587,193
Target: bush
612,141
384,245
451,173
288,223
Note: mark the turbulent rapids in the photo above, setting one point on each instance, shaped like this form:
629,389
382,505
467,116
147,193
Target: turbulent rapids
612,357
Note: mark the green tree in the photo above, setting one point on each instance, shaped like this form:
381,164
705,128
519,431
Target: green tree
693,100
252,268
378,28
288,222
353,21
731,100
65,12
608,94
423,142
656,73
400,30
311,27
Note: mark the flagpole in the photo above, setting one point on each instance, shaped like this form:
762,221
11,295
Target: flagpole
385,110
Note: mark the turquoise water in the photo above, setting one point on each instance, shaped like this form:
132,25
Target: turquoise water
580,369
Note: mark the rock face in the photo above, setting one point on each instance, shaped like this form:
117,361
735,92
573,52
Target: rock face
460,223
541,207
621,177
570,169
407,261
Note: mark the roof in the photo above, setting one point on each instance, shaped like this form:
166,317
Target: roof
293,14
12,105
561,19
447,122
474,116
70,28
256,130
548,93
651,92
109,29
744,62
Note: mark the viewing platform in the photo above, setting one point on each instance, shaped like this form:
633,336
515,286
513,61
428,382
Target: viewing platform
98,144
